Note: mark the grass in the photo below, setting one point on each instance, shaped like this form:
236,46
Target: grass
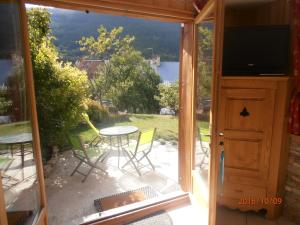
15,128
167,126
4,160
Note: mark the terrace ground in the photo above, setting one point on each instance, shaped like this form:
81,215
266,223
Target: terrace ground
67,194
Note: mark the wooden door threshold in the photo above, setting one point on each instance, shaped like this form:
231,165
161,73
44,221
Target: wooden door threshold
128,213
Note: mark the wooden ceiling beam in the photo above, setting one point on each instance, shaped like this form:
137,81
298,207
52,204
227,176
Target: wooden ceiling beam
206,11
115,7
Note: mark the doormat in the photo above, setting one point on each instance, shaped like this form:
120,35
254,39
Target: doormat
124,198
159,218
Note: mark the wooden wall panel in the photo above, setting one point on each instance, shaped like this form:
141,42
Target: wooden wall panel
167,10
274,13
279,161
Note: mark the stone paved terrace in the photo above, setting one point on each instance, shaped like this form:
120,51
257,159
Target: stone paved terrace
70,200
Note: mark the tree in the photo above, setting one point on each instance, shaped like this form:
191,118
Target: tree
169,96
129,82
106,44
204,66
5,102
60,88
126,79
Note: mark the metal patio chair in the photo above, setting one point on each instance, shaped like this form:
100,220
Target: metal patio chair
205,150
98,138
85,154
140,150
7,180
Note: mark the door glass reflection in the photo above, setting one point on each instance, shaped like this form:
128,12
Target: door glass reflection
17,163
203,102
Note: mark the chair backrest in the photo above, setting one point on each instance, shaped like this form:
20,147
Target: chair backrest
85,116
146,138
77,146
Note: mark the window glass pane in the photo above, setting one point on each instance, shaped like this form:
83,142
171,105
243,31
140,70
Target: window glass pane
203,108
17,163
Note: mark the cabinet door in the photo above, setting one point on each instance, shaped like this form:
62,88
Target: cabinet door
246,118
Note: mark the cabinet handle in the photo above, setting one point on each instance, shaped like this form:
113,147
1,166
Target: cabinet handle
221,168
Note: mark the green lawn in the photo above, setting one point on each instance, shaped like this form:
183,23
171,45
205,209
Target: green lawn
15,128
167,126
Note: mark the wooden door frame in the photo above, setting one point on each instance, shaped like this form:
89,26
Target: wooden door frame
186,106
32,102
135,211
215,155
217,8
42,216
186,91
3,217
123,8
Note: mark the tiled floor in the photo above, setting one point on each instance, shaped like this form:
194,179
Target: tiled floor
227,216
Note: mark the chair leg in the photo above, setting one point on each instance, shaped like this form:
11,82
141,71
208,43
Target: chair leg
131,157
131,160
145,155
88,173
99,140
94,139
153,167
96,162
11,151
79,164
106,154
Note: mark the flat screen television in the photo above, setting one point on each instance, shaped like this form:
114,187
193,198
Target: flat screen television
260,50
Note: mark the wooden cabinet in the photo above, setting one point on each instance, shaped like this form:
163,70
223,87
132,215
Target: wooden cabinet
253,118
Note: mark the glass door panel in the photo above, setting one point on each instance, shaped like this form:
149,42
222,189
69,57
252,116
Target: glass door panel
204,78
17,160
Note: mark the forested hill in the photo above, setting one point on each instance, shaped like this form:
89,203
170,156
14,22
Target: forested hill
69,26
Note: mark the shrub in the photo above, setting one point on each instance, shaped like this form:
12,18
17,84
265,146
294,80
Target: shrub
96,111
60,88
169,96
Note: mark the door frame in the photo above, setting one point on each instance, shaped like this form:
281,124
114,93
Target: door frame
215,7
186,88
42,216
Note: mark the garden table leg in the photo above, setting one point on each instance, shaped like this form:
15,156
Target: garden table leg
119,140
22,154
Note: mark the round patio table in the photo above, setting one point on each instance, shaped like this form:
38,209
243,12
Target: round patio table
17,139
117,132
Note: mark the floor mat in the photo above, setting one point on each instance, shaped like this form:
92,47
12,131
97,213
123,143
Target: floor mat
124,198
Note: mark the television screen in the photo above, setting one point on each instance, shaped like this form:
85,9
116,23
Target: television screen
261,50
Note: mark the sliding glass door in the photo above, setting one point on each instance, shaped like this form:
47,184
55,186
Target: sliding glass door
205,108
20,195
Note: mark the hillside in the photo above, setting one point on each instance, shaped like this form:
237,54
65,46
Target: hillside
69,26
